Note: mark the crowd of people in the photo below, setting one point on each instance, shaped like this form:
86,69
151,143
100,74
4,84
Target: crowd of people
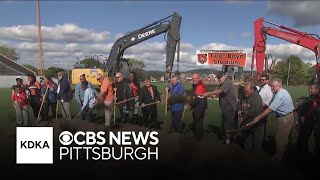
41,96
245,118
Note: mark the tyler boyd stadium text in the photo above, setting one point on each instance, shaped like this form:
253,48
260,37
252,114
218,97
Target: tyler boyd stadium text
125,145
226,62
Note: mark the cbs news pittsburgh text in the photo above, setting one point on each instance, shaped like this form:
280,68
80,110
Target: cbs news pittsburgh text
35,145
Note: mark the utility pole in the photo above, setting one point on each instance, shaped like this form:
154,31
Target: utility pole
288,73
40,53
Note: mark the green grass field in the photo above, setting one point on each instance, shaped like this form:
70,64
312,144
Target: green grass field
212,117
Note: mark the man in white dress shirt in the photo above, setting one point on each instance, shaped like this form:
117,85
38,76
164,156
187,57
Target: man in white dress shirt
266,95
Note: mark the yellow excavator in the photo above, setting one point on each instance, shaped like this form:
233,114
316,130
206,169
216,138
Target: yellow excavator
90,72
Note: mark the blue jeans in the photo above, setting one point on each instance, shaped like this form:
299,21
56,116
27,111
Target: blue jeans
176,119
86,113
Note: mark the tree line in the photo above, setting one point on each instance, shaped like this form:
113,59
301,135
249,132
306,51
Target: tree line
299,72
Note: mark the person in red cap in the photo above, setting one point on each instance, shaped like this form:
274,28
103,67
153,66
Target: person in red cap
21,105
198,105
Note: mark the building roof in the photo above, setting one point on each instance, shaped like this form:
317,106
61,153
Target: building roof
10,67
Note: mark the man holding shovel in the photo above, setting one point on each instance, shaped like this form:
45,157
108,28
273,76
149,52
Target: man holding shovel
198,105
123,92
64,94
149,98
176,90
249,108
228,104
89,101
106,96
79,92
282,105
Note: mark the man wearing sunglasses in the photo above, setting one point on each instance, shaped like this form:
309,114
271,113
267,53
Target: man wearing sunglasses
124,92
266,94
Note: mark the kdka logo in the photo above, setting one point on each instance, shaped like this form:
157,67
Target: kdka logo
34,145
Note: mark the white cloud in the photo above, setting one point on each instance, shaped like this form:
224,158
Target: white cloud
218,46
304,13
69,33
63,53
26,47
283,51
186,46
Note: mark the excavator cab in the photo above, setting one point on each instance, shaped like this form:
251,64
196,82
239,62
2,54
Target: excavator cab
235,73
125,67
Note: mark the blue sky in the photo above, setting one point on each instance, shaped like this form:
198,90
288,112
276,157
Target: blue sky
212,24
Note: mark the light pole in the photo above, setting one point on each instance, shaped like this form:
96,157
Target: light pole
69,71
288,73
266,60
40,50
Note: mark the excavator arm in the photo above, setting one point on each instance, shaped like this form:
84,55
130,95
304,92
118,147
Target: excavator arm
116,62
309,41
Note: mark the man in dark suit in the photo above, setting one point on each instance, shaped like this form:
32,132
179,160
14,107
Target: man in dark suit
124,92
149,94
64,94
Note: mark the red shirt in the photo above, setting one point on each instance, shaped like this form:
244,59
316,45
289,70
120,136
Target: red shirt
134,89
21,98
200,89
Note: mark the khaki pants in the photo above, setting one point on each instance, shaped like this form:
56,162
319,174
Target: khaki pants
22,115
65,110
107,112
284,125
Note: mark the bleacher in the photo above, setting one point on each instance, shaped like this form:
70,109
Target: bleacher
10,67
5,70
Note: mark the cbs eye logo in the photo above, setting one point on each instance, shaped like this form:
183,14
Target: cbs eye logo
66,138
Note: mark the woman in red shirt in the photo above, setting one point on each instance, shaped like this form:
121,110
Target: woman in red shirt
135,87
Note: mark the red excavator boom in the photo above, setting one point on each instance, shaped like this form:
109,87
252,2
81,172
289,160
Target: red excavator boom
310,41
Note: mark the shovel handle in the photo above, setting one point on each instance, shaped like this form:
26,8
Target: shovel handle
43,99
125,100
166,108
